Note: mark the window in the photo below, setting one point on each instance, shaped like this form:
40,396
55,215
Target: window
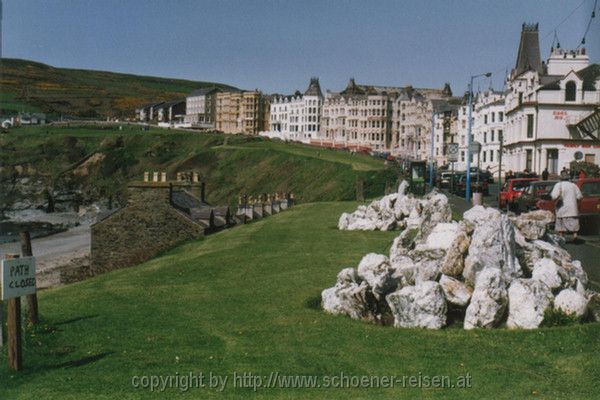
529,126
462,156
500,116
570,91
493,116
485,119
528,159
491,155
484,138
484,156
492,136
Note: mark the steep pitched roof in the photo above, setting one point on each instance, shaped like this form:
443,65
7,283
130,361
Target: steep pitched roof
314,89
528,56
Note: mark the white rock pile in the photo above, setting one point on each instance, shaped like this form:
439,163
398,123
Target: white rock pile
492,269
398,211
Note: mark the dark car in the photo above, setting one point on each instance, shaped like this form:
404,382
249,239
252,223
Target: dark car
532,194
460,184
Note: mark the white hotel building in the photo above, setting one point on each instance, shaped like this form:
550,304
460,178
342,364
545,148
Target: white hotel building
296,117
552,109
394,120
488,128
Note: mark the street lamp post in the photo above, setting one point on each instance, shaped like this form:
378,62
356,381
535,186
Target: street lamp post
432,146
470,124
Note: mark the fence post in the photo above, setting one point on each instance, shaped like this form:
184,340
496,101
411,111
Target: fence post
32,301
360,193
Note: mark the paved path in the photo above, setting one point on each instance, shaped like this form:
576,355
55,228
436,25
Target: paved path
54,250
587,252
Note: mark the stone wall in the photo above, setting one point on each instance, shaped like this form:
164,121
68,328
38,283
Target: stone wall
136,233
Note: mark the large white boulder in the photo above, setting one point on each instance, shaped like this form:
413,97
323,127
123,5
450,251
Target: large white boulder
351,299
404,270
428,263
492,246
480,214
435,210
376,271
543,249
488,302
442,236
456,292
545,270
404,206
528,300
344,221
454,260
403,187
419,306
570,301
576,272
532,225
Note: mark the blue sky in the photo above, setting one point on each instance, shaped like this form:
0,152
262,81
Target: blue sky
278,45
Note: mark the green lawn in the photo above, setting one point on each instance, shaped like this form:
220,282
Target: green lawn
246,300
229,163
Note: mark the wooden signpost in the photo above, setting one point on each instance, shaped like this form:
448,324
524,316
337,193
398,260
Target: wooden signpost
32,303
17,279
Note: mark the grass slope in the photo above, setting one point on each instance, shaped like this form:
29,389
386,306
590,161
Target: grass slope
231,164
32,86
246,300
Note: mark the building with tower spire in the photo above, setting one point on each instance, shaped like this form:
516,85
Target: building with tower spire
547,106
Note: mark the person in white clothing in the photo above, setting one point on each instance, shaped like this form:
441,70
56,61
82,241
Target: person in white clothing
567,210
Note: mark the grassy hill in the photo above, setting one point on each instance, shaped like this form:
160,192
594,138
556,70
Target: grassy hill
247,301
31,86
230,164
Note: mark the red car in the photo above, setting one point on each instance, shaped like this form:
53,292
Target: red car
588,205
512,189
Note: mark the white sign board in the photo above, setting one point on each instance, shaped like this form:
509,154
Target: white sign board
18,277
452,152
475,147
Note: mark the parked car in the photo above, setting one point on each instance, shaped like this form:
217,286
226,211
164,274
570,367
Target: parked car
460,185
512,190
589,205
532,194
445,179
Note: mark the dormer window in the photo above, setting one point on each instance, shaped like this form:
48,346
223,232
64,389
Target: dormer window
570,91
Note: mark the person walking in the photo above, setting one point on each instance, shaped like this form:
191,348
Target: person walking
567,211
545,174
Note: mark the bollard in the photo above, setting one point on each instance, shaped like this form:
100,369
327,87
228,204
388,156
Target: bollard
360,194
